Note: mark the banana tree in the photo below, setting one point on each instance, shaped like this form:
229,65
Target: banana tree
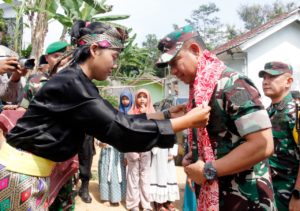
88,10
40,12
132,61
38,23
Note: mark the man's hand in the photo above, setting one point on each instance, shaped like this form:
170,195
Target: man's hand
195,172
18,73
187,159
177,111
294,204
9,64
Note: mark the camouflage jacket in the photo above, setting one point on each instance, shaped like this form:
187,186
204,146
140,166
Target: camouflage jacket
284,162
237,110
33,85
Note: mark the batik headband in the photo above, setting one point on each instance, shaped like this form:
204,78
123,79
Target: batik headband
112,38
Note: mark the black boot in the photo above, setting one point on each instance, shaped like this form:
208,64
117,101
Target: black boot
84,192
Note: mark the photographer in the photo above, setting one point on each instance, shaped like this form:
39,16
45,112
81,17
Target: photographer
10,87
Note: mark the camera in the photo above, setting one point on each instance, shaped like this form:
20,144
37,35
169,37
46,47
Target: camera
27,63
24,63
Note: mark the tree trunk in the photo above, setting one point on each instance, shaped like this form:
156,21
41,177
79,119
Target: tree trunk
63,34
40,29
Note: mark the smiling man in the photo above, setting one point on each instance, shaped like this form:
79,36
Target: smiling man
230,156
284,163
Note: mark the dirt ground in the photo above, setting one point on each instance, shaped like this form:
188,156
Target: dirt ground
94,191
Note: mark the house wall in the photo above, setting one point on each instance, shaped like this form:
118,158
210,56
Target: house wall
237,64
155,89
282,46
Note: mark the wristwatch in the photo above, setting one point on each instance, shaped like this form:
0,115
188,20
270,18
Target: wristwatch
166,113
210,172
296,193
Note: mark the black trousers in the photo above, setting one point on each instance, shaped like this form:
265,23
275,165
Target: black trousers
85,157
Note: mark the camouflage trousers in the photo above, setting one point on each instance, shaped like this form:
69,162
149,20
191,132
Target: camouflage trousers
283,186
248,190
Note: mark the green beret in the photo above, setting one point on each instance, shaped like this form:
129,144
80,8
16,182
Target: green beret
56,47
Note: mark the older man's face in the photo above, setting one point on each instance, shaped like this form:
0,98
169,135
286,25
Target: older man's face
184,66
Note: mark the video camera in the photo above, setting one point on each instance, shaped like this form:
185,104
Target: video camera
24,63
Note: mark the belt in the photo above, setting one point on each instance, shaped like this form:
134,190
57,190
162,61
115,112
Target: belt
23,162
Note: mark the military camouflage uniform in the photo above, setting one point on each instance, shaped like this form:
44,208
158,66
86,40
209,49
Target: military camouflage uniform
284,162
33,85
236,112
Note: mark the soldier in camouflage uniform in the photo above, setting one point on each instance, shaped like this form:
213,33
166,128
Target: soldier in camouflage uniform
239,127
35,81
284,163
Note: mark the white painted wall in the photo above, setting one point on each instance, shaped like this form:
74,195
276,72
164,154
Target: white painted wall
282,46
237,64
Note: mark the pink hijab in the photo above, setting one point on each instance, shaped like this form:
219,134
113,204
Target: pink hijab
149,107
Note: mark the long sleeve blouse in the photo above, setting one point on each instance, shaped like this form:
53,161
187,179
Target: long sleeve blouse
69,106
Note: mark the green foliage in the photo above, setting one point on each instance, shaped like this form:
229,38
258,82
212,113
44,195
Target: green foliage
101,83
87,10
2,22
205,21
256,14
26,52
231,31
132,60
110,98
113,100
150,45
8,1
5,40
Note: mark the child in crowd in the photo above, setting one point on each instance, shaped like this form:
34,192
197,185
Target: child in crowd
138,171
67,108
111,166
164,188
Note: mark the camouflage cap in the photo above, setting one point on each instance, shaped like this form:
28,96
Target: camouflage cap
172,43
276,68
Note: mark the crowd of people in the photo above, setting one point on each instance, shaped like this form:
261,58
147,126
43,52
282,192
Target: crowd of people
241,155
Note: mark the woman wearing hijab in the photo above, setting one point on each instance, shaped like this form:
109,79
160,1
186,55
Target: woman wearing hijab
111,166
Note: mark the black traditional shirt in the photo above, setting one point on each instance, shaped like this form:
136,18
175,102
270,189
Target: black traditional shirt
69,106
